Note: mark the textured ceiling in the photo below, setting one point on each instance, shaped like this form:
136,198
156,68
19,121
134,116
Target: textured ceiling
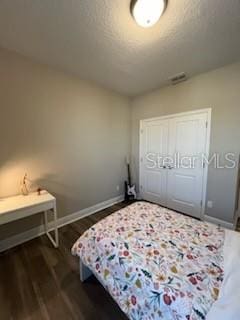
99,41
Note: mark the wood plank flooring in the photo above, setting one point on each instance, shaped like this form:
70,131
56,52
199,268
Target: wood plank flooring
39,282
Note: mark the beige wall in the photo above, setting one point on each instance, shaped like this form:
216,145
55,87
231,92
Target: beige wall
71,137
219,90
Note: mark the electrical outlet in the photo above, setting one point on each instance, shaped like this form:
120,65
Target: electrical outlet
210,204
118,188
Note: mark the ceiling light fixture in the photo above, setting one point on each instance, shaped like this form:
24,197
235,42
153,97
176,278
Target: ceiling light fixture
147,12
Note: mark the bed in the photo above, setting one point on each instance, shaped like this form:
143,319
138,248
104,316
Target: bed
159,264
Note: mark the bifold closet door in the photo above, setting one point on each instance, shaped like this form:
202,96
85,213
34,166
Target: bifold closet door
171,161
154,143
187,143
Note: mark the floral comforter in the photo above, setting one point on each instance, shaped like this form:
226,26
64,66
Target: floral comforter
155,263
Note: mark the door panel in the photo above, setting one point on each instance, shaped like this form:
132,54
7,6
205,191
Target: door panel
187,140
155,186
183,187
186,136
153,176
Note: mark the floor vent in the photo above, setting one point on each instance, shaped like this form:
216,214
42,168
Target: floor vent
180,77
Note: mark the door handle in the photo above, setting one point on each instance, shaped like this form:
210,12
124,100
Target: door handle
167,167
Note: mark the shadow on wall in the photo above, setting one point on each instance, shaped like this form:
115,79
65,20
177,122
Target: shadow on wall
67,194
12,172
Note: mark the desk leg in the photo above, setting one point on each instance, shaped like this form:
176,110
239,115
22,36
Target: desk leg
55,241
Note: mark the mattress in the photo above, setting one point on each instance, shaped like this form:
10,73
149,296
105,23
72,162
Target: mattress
156,263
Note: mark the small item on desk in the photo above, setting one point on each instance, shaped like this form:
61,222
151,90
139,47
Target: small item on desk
24,188
39,191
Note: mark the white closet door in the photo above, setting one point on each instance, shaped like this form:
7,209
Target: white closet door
154,141
187,141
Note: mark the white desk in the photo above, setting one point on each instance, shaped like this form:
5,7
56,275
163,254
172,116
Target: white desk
18,207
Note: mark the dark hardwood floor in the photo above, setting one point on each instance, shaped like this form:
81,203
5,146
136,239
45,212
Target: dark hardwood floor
40,282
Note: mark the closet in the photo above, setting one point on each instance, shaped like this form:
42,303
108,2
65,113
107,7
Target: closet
173,153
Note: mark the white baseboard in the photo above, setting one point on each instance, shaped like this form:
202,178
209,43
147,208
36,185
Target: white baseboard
219,222
20,238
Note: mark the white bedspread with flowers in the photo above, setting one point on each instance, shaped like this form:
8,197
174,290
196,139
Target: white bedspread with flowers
155,263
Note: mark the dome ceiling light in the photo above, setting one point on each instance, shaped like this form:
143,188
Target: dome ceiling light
146,13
